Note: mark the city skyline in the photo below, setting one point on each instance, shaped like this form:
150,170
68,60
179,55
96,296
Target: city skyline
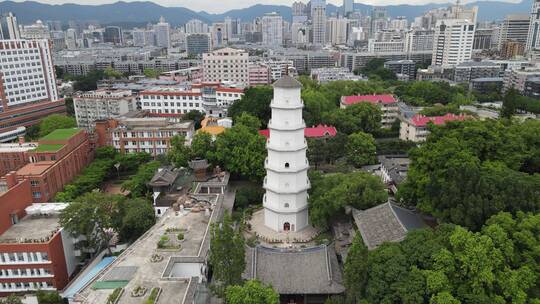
209,5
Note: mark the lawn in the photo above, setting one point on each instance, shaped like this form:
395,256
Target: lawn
48,147
61,134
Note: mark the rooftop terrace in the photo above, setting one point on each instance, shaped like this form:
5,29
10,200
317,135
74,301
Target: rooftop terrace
48,147
61,134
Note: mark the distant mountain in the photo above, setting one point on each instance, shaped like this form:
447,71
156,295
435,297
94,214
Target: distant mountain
124,13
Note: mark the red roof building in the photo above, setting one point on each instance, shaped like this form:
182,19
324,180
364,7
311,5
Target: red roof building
386,102
415,129
374,99
313,132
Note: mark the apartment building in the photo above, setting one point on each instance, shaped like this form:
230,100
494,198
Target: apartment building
142,134
259,74
171,101
402,67
416,128
387,103
27,83
453,41
102,104
517,77
226,65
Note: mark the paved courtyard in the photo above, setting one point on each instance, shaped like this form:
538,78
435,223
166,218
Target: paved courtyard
279,239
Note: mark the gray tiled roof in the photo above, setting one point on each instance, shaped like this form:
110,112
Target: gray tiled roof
287,82
307,271
164,177
385,223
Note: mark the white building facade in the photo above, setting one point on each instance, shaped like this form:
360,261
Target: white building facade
272,27
226,65
26,72
286,182
102,104
453,42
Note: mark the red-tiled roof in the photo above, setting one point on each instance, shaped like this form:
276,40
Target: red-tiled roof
385,99
313,132
422,120
171,93
230,90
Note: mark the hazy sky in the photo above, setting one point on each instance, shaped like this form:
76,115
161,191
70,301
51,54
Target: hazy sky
219,6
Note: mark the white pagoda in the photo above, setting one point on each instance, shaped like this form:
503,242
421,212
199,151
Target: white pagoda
286,182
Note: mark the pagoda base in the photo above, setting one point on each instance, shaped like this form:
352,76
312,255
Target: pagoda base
267,235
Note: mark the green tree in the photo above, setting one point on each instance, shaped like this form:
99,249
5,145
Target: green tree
315,105
227,255
54,122
355,270
138,217
136,184
361,149
196,116
332,192
48,297
151,73
179,153
91,215
109,72
249,121
252,292
256,101
70,108
89,81
13,299
510,103
326,150
202,145
241,151
363,117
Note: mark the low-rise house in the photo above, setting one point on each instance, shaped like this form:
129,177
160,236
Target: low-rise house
386,102
394,170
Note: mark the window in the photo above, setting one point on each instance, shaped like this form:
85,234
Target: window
287,165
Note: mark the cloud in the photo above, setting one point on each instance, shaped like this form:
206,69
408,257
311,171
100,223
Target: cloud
225,5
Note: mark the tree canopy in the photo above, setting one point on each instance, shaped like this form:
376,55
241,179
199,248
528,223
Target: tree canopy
363,117
451,265
252,292
256,101
179,153
54,122
468,171
330,194
361,149
227,256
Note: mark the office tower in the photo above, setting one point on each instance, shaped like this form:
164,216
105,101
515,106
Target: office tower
533,37
218,32
482,39
195,26
337,30
272,29
452,42
217,66
514,28
299,12
138,37
379,20
113,34
37,30
162,31
318,22
197,44
8,27
399,24
232,28
20,85
71,39
348,7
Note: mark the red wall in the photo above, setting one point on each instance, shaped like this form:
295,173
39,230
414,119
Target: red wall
17,199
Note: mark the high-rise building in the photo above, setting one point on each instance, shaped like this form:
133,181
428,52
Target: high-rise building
197,44
482,39
318,22
299,33
232,28
514,28
163,33
337,30
226,65
348,7
102,104
533,37
219,35
272,29
37,30
195,26
113,34
8,27
452,42
419,40
286,182
511,49
71,39
26,72
399,24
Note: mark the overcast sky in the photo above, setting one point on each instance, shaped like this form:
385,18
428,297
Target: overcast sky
220,6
